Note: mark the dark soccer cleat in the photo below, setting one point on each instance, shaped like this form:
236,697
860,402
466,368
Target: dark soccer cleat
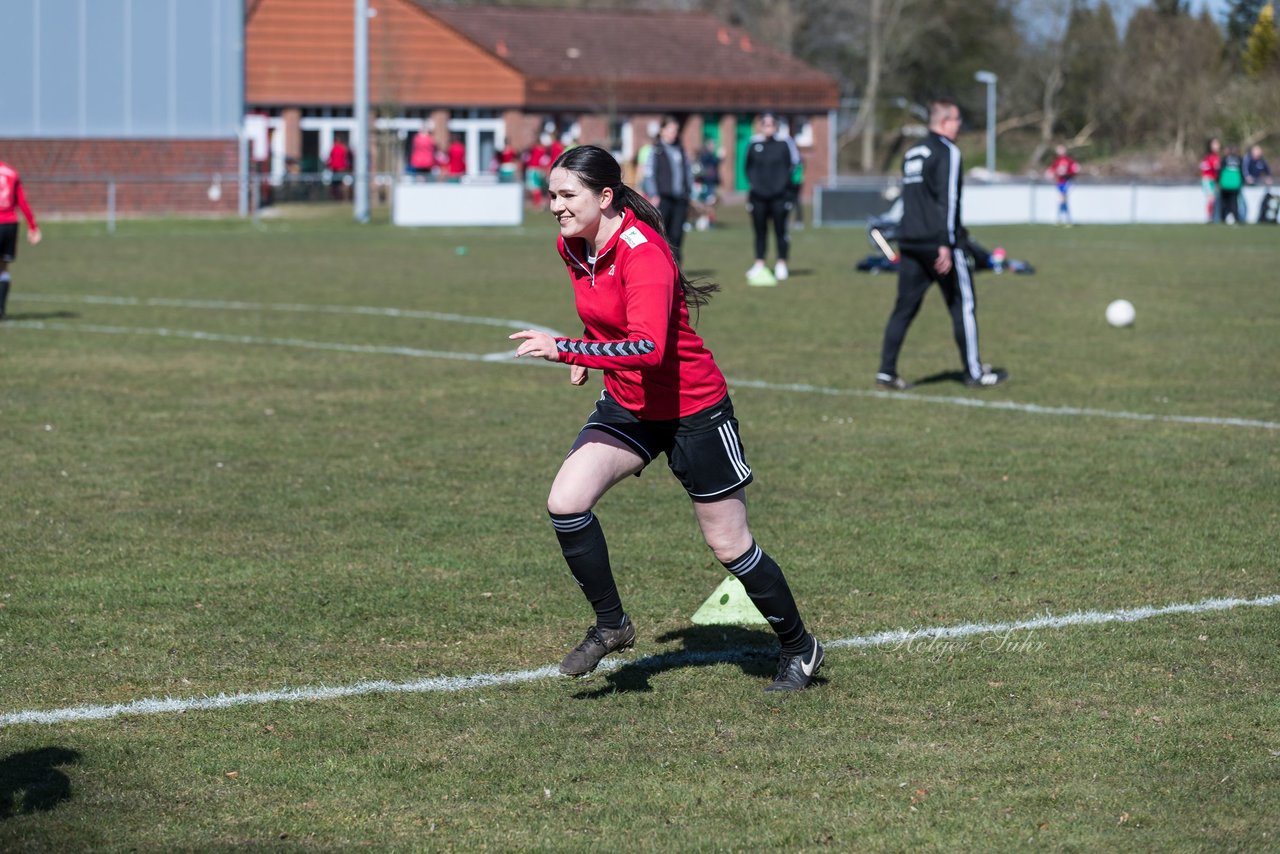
598,643
891,382
795,672
988,378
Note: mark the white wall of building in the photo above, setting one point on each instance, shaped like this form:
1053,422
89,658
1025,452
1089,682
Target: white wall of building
1092,204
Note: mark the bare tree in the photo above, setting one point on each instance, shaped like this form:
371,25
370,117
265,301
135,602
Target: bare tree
1049,59
886,31
1173,69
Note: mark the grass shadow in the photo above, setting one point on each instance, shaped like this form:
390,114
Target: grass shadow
754,650
42,315
947,377
942,377
31,782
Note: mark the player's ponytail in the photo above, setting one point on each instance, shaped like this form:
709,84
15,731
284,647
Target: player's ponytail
597,169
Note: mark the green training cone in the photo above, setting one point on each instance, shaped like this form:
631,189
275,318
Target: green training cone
729,605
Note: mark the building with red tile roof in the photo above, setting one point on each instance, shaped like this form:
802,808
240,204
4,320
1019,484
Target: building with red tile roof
494,75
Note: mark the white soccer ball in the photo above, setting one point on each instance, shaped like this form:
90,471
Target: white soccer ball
1120,313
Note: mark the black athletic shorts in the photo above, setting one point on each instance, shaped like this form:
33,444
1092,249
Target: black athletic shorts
703,449
8,241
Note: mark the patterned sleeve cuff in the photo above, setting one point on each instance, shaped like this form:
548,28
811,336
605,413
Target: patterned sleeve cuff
643,347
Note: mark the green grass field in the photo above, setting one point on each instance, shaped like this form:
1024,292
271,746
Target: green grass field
205,495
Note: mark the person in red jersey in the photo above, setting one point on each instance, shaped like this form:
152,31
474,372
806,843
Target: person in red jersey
338,163
1063,168
12,200
422,156
457,158
1210,164
663,394
537,161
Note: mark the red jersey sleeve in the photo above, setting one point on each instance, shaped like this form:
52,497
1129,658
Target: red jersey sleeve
648,280
21,198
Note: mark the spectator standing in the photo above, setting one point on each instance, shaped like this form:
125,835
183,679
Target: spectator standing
338,165
537,161
1209,166
1063,169
422,156
931,241
643,152
664,394
797,186
508,163
707,184
1230,180
668,179
1256,169
457,158
13,198
770,164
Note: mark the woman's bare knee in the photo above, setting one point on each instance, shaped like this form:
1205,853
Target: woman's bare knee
728,548
595,464
564,502
724,526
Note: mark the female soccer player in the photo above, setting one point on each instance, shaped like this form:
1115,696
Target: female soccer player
663,394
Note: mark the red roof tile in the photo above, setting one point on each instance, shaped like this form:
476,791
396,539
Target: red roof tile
663,60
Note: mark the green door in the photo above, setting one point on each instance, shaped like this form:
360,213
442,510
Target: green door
745,125
711,128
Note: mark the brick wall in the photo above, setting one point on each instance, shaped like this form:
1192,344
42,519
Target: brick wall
71,177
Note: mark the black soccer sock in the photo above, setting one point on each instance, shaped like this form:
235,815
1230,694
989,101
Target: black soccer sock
585,550
767,587
4,292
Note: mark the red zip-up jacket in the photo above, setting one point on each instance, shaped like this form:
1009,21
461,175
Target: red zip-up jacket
1064,168
12,197
637,326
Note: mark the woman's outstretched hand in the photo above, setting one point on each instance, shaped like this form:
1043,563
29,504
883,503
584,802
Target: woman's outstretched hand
536,343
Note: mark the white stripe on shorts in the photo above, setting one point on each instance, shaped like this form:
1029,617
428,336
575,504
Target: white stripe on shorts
734,449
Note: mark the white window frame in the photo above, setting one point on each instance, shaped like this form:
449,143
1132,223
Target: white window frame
471,127
329,126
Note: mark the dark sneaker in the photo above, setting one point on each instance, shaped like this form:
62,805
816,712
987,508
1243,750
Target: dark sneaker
987,379
891,382
596,645
795,672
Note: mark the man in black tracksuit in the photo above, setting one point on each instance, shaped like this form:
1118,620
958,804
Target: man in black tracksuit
668,177
928,236
769,165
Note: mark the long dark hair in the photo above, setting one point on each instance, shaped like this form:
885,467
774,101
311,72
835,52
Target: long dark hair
597,169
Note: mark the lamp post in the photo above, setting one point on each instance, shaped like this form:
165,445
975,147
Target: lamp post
990,78
360,137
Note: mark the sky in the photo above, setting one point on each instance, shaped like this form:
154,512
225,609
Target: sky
1217,8
1124,8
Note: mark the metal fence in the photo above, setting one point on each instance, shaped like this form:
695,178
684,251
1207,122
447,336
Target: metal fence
111,198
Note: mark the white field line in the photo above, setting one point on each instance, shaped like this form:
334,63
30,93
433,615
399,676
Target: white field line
508,356
453,684
297,308
1009,405
196,335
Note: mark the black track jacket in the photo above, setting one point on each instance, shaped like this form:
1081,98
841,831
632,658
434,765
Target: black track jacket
770,162
931,184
